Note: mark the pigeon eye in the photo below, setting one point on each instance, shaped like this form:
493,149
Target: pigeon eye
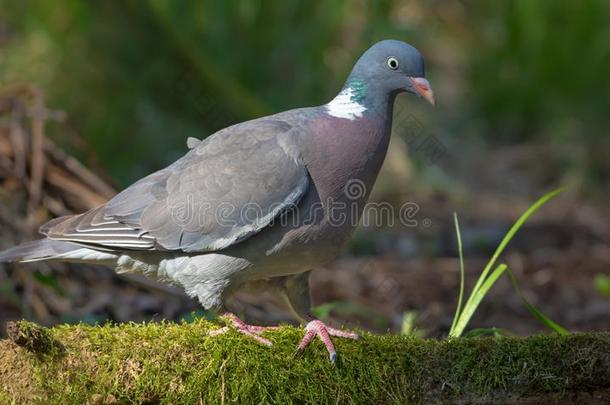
392,63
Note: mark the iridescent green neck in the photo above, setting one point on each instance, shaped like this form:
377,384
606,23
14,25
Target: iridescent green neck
359,90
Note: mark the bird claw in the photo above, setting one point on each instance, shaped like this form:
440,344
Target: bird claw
318,328
251,331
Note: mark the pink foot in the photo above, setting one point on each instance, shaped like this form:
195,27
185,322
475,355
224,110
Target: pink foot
324,332
248,330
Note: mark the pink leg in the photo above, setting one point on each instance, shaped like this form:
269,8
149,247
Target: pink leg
248,330
318,328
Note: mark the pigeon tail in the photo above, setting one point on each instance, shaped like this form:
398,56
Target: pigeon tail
48,249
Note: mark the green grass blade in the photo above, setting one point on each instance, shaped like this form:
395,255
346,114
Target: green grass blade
500,249
602,285
458,310
545,320
475,299
408,323
512,231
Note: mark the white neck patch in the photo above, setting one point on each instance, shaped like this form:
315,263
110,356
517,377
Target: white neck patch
342,106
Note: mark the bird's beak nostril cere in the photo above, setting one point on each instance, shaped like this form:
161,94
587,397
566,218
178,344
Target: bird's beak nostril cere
422,87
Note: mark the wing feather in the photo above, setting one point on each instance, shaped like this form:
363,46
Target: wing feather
227,188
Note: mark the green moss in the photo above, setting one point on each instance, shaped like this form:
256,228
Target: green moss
180,363
34,338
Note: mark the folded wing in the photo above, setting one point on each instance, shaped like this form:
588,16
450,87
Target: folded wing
226,189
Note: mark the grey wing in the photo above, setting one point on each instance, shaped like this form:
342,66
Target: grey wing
224,190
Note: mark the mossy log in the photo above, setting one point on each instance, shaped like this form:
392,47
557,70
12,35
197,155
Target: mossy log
182,363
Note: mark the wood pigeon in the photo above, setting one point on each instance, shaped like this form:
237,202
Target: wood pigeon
257,205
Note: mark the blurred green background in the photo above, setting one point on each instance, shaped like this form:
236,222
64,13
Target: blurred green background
137,77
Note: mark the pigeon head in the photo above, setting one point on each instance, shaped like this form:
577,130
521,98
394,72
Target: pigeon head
390,67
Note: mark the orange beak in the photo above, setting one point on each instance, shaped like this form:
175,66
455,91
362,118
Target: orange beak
422,87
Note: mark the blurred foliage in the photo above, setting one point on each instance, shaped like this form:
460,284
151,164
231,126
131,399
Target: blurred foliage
409,325
137,78
49,280
539,71
541,66
602,285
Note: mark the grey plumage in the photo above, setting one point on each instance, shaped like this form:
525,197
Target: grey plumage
197,204
41,249
251,205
